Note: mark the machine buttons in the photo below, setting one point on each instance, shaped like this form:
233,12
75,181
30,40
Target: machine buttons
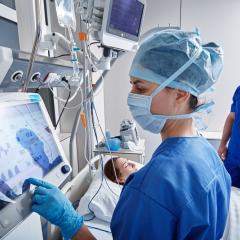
17,76
36,77
65,169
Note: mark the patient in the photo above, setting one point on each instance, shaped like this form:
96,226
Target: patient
102,201
123,168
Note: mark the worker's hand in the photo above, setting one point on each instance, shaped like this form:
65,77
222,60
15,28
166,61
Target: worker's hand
51,203
222,151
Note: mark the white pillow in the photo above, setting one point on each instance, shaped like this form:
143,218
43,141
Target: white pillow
104,203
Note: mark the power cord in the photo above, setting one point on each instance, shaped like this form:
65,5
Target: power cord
39,87
101,162
66,103
93,108
99,229
62,55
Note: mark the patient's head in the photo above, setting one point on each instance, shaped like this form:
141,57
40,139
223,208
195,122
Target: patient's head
123,169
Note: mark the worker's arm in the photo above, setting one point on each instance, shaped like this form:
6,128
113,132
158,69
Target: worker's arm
222,150
84,234
49,202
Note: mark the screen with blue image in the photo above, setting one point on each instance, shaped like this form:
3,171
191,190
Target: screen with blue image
27,149
126,16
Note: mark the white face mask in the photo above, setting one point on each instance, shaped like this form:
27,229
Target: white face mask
140,106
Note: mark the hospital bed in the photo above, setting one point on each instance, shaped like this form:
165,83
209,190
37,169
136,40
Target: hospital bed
76,189
232,229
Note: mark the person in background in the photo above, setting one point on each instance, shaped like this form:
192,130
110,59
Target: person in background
231,135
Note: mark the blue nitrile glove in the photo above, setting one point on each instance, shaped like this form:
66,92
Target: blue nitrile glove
51,203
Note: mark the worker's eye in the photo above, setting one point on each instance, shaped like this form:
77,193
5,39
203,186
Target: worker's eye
139,89
142,90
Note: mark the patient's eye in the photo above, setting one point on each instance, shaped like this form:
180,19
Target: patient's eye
125,165
132,165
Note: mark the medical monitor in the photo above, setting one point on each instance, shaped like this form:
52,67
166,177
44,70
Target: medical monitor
122,23
28,148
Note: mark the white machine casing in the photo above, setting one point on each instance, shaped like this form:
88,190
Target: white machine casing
14,213
6,60
128,133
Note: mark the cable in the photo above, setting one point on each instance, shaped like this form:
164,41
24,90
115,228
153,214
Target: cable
98,91
89,56
66,103
61,99
89,96
101,162
99,229
62,55
74,107
95,194
39,87
65,139
93,43
93,107
105,140
90,219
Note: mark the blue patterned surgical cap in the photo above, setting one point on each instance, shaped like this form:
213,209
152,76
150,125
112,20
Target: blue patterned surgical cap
162,54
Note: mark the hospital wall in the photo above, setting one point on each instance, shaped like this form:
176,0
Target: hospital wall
217,20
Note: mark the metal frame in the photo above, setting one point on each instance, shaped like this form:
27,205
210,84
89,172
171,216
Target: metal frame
8,13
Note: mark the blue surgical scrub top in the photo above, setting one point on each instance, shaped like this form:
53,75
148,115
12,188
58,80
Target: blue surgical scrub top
232,162
234,144
182,193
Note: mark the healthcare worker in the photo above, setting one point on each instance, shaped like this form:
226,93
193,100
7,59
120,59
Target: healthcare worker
231,153
183,192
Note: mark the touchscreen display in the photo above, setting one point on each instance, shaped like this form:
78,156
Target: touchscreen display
27,149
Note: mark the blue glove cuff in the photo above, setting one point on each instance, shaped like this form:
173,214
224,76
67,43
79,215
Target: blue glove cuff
72,223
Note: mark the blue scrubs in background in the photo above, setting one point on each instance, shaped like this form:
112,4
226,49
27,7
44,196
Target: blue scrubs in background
182,193
232,162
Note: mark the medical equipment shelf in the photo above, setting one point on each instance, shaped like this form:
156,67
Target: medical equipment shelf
135,155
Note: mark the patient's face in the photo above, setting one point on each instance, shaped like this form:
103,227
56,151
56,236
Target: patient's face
126,167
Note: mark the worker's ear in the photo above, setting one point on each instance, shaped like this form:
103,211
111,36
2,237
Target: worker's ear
181,96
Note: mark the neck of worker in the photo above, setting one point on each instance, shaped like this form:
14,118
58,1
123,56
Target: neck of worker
179,128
